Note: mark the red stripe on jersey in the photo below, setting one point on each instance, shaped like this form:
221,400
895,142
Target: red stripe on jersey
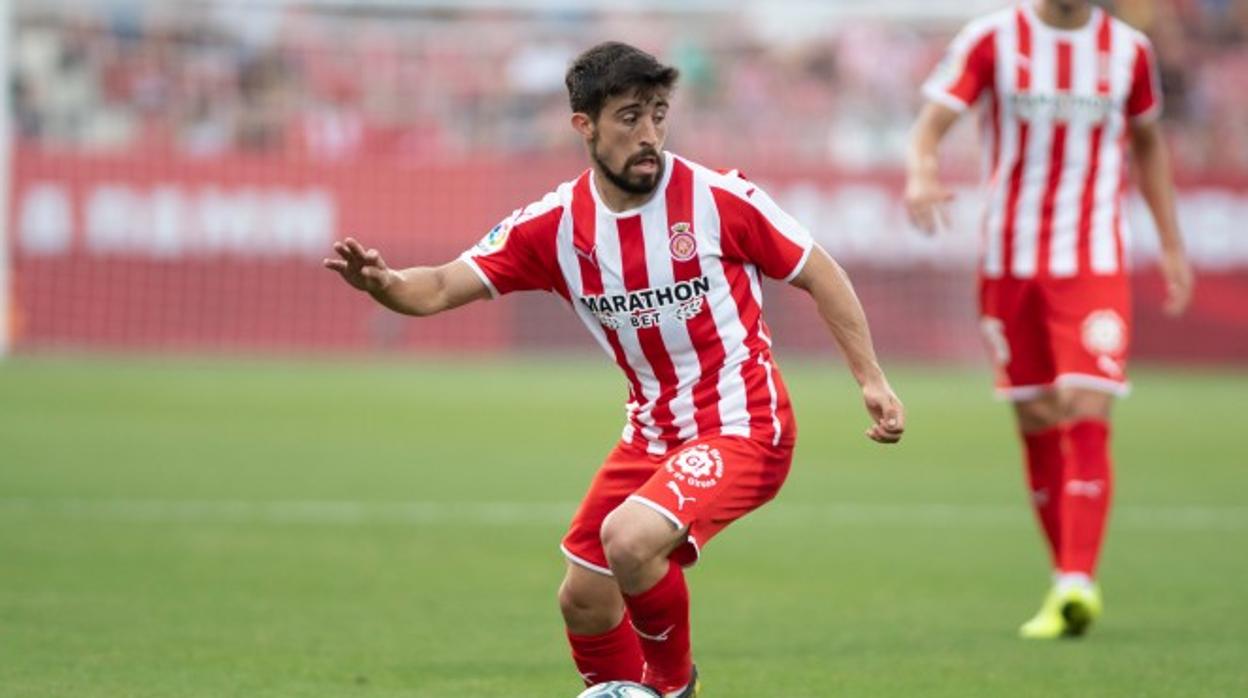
585,240
702,330
977,69
1023,84
1143,93
637,278
1057,156
753,374
1103,51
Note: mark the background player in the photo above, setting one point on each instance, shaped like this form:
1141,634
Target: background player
661,260
1064,90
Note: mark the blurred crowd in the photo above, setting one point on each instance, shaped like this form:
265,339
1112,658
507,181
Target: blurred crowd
341,81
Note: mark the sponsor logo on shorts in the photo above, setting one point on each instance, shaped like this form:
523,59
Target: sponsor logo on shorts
680,496
1104,333
699,466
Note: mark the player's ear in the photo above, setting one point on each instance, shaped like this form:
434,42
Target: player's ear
583,125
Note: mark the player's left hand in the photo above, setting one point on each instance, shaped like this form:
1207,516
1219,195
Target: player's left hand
1179,281
886,409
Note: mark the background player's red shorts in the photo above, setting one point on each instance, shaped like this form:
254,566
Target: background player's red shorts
705,485
1050,332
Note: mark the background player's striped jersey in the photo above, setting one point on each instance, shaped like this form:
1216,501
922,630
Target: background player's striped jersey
670,290
1056,106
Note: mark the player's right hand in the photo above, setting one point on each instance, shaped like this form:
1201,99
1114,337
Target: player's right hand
886,409
363,269
926,203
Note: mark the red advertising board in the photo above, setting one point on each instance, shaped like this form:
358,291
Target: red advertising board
158,252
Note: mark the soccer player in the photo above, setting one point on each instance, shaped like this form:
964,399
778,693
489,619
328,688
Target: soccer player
661,259
1064,92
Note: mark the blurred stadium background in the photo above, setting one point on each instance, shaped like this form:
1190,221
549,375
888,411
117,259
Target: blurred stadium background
178,168
223,473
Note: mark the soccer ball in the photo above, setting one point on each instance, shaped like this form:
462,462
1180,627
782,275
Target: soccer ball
618,689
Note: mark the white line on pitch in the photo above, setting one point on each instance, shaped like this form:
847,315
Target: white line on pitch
1161,518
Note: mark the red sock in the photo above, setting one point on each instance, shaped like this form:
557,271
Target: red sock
1046,465
1086,496
661,619
612,656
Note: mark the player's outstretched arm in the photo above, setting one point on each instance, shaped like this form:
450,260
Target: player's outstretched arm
925,197
838,305
1148,149
416,291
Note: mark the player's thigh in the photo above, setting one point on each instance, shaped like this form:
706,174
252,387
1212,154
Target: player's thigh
708,484
1016,335
1089,320
624,470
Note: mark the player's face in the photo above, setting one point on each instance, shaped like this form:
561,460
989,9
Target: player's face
626,141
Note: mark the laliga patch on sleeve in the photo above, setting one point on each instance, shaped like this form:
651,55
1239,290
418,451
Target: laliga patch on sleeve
496,239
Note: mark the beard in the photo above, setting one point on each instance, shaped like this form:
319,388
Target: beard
633,184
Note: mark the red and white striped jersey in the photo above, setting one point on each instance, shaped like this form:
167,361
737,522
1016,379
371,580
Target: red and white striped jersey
1055,110
670,290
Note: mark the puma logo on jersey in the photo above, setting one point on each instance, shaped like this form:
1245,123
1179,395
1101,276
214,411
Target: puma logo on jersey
591,256
680,496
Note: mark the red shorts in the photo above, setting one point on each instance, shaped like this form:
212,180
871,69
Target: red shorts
704,486
1053,332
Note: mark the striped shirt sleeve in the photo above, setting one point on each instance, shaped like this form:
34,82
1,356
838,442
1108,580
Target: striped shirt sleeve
1144,99
966,70
518,254
756,231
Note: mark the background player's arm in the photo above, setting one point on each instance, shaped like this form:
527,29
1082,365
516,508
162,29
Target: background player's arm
416,291
925,196
838,305
1152,162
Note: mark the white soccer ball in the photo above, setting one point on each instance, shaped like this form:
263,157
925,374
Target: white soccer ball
618,689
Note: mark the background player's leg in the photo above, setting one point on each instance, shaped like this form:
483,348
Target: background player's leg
1089,480
637,541
1039,422
604,646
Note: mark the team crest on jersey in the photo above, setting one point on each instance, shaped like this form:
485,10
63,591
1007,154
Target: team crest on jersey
495,239
682,243
699,466
1104,333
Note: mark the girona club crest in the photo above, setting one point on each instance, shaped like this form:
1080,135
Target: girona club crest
698,466
682,244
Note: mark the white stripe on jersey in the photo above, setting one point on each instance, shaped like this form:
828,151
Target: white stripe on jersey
1064,245
1036,164
731,385
676,340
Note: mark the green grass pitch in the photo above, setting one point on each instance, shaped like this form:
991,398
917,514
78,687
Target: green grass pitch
207,528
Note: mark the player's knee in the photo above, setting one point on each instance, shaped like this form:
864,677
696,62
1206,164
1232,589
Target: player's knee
588,611
625,548
1037,415
1085,404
